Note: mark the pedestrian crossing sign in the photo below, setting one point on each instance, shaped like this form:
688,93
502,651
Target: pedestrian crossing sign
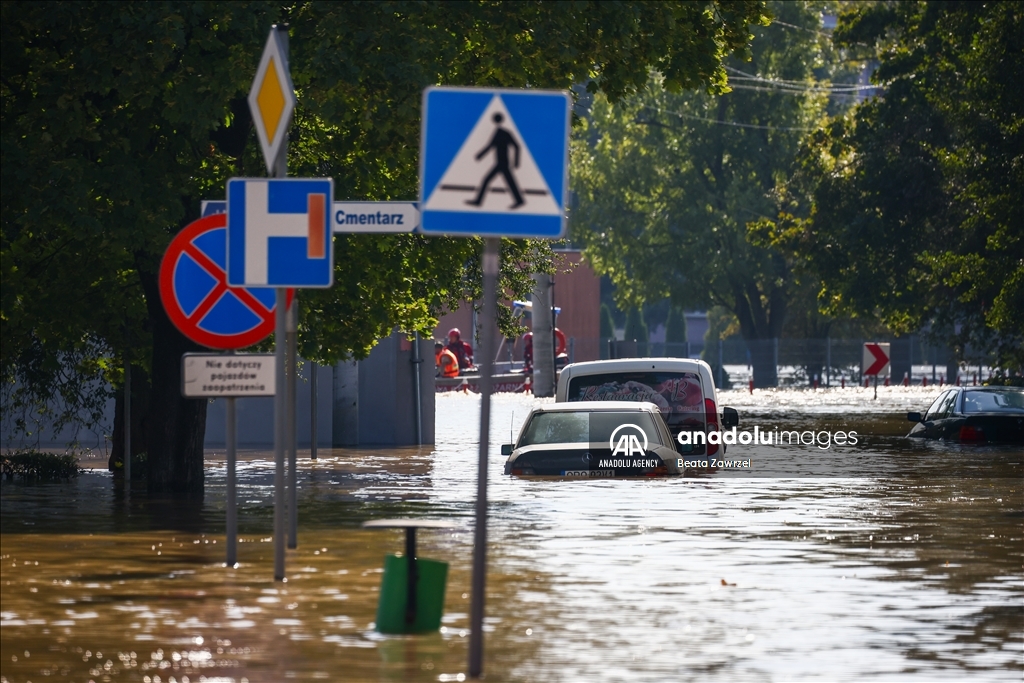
494,162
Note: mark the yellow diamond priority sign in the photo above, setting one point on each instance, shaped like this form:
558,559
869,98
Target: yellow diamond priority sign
272,98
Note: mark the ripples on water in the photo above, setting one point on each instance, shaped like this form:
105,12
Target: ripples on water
914,571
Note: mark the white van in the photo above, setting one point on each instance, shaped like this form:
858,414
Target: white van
682,388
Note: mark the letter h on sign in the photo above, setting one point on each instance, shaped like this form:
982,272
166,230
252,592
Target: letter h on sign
279,232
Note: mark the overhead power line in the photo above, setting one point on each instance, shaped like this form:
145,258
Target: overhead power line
793,86
736,124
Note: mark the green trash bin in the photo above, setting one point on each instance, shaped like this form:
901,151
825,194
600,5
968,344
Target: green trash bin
395,612
411,603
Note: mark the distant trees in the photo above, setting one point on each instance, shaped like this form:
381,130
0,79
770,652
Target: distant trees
668,181
675,328
636,327
910,209
607,324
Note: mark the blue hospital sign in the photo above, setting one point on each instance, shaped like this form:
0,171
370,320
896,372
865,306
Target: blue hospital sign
279,232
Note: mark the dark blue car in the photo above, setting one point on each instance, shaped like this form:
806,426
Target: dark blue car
973,415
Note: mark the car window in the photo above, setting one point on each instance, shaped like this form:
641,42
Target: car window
585,427
678,395
560,427
933,409
1008,401
947,404
603,424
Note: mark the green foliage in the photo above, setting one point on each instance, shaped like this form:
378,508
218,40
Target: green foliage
39,466
918,214
675,326
118,119
666,188
606,322
636,328
667,183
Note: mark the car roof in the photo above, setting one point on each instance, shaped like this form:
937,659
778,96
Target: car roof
595,406
635,364
998,388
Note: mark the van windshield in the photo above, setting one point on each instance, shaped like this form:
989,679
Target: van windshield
677,394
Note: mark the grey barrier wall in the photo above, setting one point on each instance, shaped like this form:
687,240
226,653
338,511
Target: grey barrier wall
371,402
255,416
375,399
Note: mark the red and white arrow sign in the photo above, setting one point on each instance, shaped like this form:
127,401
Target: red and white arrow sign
876,359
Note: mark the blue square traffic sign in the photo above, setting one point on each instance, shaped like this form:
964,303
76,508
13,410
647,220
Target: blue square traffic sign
494,162
279,232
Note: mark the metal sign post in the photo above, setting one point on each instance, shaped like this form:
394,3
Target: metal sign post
228,376
279,432
476,608
127,429
231,530
275,151
493,163
312,410
293,477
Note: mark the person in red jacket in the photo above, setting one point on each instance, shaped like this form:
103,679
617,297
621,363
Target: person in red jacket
462,350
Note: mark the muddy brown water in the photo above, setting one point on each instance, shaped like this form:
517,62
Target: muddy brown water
892,559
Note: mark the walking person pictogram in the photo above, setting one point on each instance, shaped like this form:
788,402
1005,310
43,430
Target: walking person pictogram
500,143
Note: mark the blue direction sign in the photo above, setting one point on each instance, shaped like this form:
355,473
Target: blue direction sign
279,232
494,162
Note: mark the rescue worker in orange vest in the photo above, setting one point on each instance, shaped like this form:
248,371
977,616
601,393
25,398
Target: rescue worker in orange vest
446,364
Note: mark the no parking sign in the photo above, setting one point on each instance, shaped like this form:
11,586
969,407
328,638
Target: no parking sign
197,298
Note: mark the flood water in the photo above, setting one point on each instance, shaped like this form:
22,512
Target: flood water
895,561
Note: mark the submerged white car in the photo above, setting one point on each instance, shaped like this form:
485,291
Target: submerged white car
594,439
683,390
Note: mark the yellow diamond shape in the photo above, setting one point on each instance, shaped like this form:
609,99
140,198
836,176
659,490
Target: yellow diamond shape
270,100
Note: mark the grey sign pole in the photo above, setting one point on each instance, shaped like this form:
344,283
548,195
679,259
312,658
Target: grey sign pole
280,411
418,390
127,429
312,410
232,502
279,432
293,477
476,610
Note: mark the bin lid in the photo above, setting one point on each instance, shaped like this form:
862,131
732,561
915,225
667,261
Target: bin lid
409,524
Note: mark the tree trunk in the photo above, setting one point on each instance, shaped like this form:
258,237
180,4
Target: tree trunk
176,427
762,358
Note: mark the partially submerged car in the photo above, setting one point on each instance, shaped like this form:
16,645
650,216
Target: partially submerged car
594,439
682,388
973,415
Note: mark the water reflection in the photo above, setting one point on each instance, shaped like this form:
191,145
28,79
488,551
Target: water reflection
915,571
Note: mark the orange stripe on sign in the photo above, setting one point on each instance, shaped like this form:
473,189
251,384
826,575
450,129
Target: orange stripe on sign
315,246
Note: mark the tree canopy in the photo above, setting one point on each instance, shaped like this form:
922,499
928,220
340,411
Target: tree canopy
118,119
916,213
668,182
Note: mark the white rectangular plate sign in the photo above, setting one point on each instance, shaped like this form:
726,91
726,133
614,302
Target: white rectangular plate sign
212,375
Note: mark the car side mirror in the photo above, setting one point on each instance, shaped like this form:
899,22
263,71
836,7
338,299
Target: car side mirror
914,417
730,418
506,449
